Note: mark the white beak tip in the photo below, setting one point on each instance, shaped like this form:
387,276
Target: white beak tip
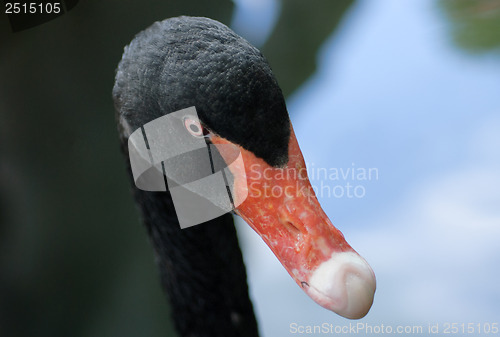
344,284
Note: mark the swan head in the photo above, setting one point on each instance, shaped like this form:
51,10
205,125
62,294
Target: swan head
240,113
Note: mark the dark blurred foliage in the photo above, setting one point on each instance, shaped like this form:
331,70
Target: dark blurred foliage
74,259
474,24
302,28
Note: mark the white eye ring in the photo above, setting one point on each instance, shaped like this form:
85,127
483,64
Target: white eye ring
193,126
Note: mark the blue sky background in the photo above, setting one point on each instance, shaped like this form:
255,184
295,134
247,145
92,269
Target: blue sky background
391,92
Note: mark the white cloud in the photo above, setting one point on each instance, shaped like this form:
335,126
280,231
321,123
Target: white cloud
436,256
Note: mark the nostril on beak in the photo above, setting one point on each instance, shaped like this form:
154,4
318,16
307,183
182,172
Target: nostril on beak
294,230
290,221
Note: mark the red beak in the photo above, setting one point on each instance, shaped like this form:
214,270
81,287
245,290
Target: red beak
282,208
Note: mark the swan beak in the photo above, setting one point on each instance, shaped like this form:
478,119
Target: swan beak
282,208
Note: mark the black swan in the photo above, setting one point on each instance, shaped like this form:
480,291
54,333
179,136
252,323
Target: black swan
198,62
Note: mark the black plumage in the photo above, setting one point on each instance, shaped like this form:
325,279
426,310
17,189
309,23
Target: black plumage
189,61
183,62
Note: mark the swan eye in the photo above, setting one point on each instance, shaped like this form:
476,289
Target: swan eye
193,126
